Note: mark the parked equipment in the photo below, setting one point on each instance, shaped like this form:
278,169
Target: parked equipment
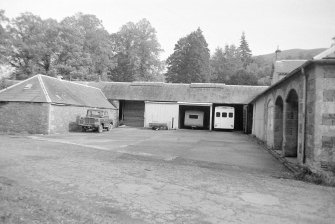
224,117
194,119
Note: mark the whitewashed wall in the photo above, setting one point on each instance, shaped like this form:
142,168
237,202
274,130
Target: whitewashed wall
160,112
258,119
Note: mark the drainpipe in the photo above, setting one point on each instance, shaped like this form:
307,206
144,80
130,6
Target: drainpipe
305,115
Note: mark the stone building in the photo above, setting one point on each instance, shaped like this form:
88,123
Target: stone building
45,105
143,103
296,115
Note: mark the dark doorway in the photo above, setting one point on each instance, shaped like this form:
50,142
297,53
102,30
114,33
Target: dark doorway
291,124
184,108
278,124
132,113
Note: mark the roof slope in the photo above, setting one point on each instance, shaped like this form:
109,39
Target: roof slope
40,88
194,93
284,67
28,90
327,54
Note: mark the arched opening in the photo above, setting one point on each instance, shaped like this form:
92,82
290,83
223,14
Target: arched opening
269,124
291,124
278,123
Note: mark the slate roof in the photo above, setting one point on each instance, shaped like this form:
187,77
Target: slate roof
284,67
45,89
175,92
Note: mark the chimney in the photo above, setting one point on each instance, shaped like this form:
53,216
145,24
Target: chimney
277,53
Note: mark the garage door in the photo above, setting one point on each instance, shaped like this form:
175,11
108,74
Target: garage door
133,113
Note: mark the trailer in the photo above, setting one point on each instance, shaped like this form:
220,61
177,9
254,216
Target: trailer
224,117
194,119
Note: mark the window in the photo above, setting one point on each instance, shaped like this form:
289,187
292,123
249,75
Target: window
28,86
231,115
224,114
193,116
217,114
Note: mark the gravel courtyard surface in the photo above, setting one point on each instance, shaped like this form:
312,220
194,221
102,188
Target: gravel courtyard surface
133,175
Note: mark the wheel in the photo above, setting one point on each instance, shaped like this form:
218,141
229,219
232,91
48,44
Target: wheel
100,128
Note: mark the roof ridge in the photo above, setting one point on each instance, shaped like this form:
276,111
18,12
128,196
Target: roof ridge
39,76
70,81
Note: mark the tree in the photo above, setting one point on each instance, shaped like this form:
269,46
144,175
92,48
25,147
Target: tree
225,63
190,60
218,63
138,52
245,52
4,37
87,51
242,77
25,34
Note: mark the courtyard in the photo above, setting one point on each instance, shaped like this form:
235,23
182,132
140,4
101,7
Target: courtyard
133,175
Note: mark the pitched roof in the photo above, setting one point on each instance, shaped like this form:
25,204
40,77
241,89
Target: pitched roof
295,72
45,89
327,54
284,67
174,92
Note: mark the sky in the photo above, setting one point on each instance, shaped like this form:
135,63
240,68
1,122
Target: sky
304,24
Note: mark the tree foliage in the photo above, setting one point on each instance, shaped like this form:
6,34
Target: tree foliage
245,52
236,66
137,53
79,48
190,60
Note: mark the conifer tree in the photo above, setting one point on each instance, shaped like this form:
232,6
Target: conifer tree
190,60
245,52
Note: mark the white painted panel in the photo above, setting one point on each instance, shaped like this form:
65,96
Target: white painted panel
258,121
159,112
224,122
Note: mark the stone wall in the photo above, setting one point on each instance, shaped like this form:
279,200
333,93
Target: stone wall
306,122
64,118
324,152
291,116
22,117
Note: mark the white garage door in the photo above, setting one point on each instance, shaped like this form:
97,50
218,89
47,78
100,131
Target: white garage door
161,112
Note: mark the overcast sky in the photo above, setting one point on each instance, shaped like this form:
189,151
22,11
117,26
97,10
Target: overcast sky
304,24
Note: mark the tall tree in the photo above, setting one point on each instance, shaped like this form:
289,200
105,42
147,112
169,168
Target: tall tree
225,63
218,63
4,37
94,55
137,53
245,52
190,60
25,38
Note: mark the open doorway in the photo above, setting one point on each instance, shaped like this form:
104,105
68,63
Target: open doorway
194,112
278,124
291,124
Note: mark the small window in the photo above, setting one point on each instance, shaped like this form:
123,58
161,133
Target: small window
231,115
217,114
193,116
224,114
28,86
